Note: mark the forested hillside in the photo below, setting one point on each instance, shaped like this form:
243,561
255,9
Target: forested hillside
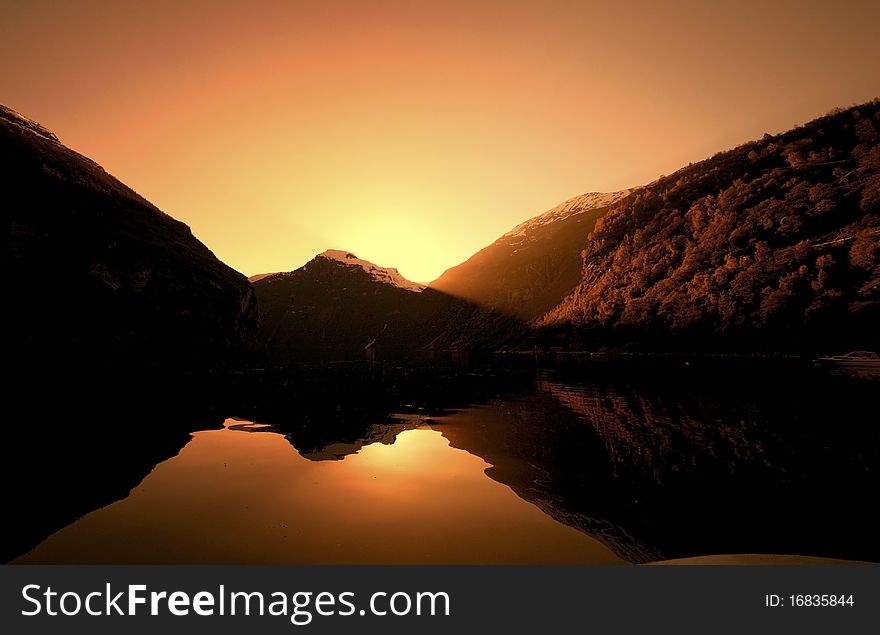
773,244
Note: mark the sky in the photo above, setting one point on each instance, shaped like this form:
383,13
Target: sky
414,133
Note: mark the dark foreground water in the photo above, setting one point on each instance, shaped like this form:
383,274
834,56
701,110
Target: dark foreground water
572,463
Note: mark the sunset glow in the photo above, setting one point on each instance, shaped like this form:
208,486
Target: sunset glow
415,133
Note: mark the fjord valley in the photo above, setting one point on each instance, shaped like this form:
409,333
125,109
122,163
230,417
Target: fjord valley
339,412
771,247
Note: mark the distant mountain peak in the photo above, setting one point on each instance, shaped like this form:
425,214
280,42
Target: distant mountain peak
387,275
531,268
574,205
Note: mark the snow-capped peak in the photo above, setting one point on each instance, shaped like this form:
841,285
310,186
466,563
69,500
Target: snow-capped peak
572,206
388,275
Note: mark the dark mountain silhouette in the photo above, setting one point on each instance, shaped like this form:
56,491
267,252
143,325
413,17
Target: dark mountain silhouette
339,305
531,268
774,245
76,442
116,318
99,275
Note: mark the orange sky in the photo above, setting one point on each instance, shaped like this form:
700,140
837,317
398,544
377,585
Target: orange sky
414,133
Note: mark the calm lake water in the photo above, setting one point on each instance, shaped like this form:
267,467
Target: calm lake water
245,495
551,466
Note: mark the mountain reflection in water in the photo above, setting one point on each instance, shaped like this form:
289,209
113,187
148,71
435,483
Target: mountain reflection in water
603,465
230,496
668,472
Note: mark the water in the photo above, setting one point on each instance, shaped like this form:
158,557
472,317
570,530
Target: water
244,495
567,464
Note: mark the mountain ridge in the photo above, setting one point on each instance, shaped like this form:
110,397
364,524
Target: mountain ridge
143,286
387,275
774,244
531,268
333,307
574,205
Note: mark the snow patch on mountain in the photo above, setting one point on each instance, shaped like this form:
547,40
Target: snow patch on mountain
20,120
388,275
572,206
260,276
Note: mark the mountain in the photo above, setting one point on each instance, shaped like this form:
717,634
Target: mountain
772,245
260,276
532,267
340,305
386,275
93,272
114,315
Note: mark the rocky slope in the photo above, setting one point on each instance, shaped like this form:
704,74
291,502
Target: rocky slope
93,272
531,268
